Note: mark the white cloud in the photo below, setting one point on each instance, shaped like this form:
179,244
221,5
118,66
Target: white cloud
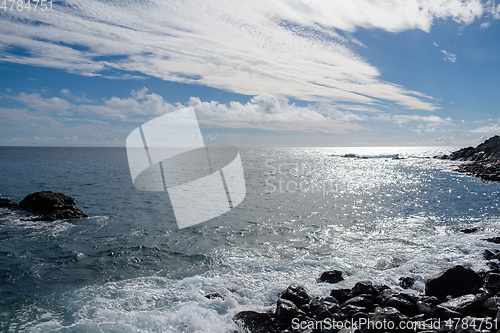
282,47
38,103
492,129
485,25
449,56
435,44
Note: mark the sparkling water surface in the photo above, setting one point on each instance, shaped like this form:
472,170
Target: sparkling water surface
128,268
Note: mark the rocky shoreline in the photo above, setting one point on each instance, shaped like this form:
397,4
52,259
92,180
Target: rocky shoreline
47,205
482,161
456,300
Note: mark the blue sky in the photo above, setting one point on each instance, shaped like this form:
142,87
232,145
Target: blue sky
282,72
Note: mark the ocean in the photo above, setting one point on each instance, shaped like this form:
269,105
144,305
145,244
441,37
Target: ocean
128,268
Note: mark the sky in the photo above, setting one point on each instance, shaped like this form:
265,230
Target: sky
257,73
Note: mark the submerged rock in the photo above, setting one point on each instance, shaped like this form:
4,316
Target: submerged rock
51,206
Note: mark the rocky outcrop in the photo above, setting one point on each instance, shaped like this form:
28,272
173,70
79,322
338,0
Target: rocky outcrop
51,206
457,300
8,203
484,160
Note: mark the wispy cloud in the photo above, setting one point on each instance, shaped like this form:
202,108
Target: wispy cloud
491,129
449,56
282,47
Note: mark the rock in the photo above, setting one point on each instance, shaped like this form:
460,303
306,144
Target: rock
423,308
341,295
214,295
406,282
489,255
52,206
495,240
363,287
388,315
492,305
468,305
359,301
492,282
333,276
296,294
484,159
468,230
402,304
286,310
4,202
456,281
444,313
253,321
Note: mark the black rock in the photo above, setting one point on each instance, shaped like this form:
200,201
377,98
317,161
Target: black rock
456,281
333,276
489,255
423,308
468,305
388,315
341,295
495,240
214,295
492,282
286,310
444,313
363,287
251,320
492,305
4,202
52,206
406,282
468,230
402,304
359,301
296,294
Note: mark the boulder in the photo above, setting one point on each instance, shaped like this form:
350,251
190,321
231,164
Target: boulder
406,282
286,310
4,202
296,294
332,276
253,321
456,281
468,305
51,206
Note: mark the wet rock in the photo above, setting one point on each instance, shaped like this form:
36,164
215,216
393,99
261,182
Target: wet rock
251,320
423,308
286,310
442,312
214,295
363,287
491,254
492,305
492,282
341,295
332,276
406,282
4,202
456,281
388,315
468,230
51,206
359,301
468,305
402,304
296,294
495,240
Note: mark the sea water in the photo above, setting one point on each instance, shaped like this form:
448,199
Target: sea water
379,216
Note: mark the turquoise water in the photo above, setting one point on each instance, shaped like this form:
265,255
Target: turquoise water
128,268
